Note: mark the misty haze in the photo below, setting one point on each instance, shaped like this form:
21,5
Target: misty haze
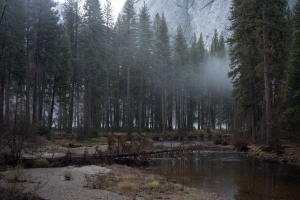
149,99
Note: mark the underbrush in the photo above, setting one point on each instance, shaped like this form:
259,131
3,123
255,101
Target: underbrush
12,185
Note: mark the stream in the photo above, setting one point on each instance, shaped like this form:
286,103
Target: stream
232,175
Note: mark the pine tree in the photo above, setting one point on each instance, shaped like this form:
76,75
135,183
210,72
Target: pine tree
92,37
244,59
162,53
108,20
202,54
45,22
182,71
292,84
58,75
71,22
259,58
272,43
296,16
127,37
11,59
144,55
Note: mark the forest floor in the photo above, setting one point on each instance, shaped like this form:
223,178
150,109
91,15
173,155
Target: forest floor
112,181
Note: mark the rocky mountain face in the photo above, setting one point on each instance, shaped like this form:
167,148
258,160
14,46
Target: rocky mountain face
194,16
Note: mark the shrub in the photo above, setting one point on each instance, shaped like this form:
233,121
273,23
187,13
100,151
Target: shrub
239,142
42,130
40,163
208,130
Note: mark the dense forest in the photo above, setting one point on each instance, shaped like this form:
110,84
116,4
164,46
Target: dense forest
83,74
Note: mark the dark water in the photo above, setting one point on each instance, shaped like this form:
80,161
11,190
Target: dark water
233,176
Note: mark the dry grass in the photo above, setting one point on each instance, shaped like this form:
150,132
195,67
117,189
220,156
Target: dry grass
128,177
153,185
127,185
150,179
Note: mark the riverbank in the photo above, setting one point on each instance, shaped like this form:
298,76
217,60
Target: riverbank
289,152
114,182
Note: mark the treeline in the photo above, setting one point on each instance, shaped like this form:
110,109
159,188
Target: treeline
84,74
265,67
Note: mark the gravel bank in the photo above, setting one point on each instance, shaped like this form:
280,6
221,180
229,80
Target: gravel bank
51,184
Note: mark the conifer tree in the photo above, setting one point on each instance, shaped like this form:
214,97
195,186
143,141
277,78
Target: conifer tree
127,36
244,60
202,54
182,69
296,15
259,58
11,59
108,21
162,53
72,22
292,84
144,55
92,37
58,76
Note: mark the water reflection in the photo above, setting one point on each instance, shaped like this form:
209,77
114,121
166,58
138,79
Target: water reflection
232,175
269,181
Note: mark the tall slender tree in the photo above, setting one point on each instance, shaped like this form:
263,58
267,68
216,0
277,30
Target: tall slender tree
92,37
144,54
292,85
128,44
72,23
162,53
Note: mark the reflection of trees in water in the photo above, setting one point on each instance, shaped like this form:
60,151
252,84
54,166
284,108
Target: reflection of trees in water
266,182
248,190
225,174
181,170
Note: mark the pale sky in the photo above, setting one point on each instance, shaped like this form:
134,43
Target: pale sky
116,4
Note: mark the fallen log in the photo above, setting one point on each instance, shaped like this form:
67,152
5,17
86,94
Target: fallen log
130,159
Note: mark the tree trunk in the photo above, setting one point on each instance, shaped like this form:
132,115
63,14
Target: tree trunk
27,66
7,102
128,103
198,113
88,106
202,113
71,108
51,113
35,92
267,83
253,119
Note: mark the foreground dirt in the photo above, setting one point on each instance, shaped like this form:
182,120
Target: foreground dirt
92,182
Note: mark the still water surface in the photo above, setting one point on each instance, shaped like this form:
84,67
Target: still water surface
233,176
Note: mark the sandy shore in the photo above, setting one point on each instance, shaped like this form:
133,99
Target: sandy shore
114,182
